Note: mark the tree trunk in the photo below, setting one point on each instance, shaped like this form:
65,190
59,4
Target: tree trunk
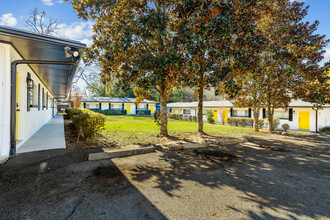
270,117
163,116
200,108
256,111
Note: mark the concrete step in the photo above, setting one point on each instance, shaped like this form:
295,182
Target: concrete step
120,153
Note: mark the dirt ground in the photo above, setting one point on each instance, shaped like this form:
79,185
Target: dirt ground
272,177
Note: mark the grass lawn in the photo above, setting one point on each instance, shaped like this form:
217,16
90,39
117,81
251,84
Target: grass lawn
126,130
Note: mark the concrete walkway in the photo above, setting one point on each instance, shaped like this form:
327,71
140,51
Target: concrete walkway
50,136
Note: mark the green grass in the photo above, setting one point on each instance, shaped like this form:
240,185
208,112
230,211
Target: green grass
125,130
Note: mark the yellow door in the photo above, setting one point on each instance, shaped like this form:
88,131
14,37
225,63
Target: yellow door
225,113
304,120
128,109
179,111
215,115
152,109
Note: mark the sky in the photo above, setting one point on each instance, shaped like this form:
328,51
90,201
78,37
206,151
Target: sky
14,13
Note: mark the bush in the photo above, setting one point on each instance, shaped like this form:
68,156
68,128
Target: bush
325,129
73,111
185,117
157,118
285,127
209,116
194,118
91,123
240,121
110,111
143,112
261,123
276,123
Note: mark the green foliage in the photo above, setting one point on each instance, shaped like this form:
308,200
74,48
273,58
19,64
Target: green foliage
157,118
209,116
182,117
276,123
240,121
111,111
91,123
325,129
73,111
285,127
143,112
261,123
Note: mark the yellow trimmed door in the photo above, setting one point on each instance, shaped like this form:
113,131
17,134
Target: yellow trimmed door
128,108
215,115
179,111
151,109
225,112
304,120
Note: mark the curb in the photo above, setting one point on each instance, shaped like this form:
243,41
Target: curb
185,147
120,153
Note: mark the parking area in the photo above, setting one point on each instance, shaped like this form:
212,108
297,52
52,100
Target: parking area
273,177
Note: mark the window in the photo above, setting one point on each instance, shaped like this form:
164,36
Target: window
31,96
281,114
43,98
87,105
116,106
186,111
240,113
142,106
47,100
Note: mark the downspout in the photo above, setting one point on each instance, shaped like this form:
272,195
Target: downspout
13,95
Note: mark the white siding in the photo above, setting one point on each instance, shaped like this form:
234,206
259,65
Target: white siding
28,122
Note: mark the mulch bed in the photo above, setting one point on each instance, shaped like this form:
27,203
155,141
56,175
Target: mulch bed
71,139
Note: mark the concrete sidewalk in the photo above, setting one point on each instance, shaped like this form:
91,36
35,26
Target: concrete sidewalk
50,136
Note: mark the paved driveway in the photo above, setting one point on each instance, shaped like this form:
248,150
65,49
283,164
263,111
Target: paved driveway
264,178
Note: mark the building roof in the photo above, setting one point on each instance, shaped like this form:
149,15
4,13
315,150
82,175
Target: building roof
293,103
112,100
32,46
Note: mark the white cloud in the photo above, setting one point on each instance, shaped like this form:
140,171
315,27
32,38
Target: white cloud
76,30
48,2
88,42
8,20
326,56
60,1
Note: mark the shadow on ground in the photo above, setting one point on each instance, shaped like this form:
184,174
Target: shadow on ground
61,184
280,179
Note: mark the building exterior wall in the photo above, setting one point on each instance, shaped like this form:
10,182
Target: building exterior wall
28,122
323,116
132,106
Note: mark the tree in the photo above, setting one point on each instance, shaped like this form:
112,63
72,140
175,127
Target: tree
135,42
284,63
38,23
293,54
207,29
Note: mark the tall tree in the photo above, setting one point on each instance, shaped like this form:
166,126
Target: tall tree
207,29
38,22
135,42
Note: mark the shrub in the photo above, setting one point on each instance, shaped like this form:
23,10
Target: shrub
285,127
185,117
91,123
190,117
73,111
240,121
276,123
110,111
325,129
143,112
261,123
157,118
194,118
209,116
